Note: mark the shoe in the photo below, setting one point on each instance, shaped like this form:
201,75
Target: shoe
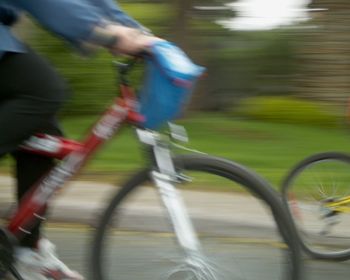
43,264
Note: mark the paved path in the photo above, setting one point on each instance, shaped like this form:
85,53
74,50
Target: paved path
82,202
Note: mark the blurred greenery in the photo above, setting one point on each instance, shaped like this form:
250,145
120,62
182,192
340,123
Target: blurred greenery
288,110
241,63
300,60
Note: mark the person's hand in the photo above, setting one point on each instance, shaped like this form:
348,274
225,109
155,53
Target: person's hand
129,41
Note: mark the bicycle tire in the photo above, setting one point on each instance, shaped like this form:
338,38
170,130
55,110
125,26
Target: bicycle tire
322,169
223,168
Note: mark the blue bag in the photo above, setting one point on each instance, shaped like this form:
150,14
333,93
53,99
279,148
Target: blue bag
170,77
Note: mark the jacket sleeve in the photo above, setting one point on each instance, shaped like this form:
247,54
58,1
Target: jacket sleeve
111,10
75,20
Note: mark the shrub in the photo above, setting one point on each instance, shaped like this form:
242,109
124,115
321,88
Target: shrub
287,110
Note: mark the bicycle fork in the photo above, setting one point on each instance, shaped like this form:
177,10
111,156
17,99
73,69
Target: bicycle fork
165,177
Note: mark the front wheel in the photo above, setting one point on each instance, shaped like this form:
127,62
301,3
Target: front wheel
239,228
317,192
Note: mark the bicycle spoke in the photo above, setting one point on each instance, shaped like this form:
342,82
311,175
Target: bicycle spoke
318,185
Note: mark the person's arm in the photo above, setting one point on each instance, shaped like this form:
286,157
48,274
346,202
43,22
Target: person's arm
113,12
73,20
82,23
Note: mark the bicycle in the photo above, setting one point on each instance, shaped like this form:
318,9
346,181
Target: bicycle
317,194
165,171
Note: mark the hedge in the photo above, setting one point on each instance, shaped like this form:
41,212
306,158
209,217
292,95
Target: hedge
288,110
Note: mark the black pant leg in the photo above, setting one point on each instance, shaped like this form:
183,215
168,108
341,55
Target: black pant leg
31,93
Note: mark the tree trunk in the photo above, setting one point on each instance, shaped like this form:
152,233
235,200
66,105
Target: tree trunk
324,53
181,22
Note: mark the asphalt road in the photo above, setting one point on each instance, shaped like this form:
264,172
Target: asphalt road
243,242
152,256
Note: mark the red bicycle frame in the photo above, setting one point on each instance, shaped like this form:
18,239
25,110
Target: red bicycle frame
73,154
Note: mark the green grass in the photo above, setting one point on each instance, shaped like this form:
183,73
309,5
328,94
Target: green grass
270,149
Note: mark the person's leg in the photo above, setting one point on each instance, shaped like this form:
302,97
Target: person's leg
30,96
31,93
29,168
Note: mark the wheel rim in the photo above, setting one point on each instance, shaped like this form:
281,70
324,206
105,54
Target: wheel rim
315,193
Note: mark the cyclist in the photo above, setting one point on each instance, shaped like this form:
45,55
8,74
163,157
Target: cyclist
31,92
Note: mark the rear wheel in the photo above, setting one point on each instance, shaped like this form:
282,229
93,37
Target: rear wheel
239,231
317,192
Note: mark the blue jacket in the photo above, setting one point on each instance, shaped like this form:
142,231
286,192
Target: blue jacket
73,20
